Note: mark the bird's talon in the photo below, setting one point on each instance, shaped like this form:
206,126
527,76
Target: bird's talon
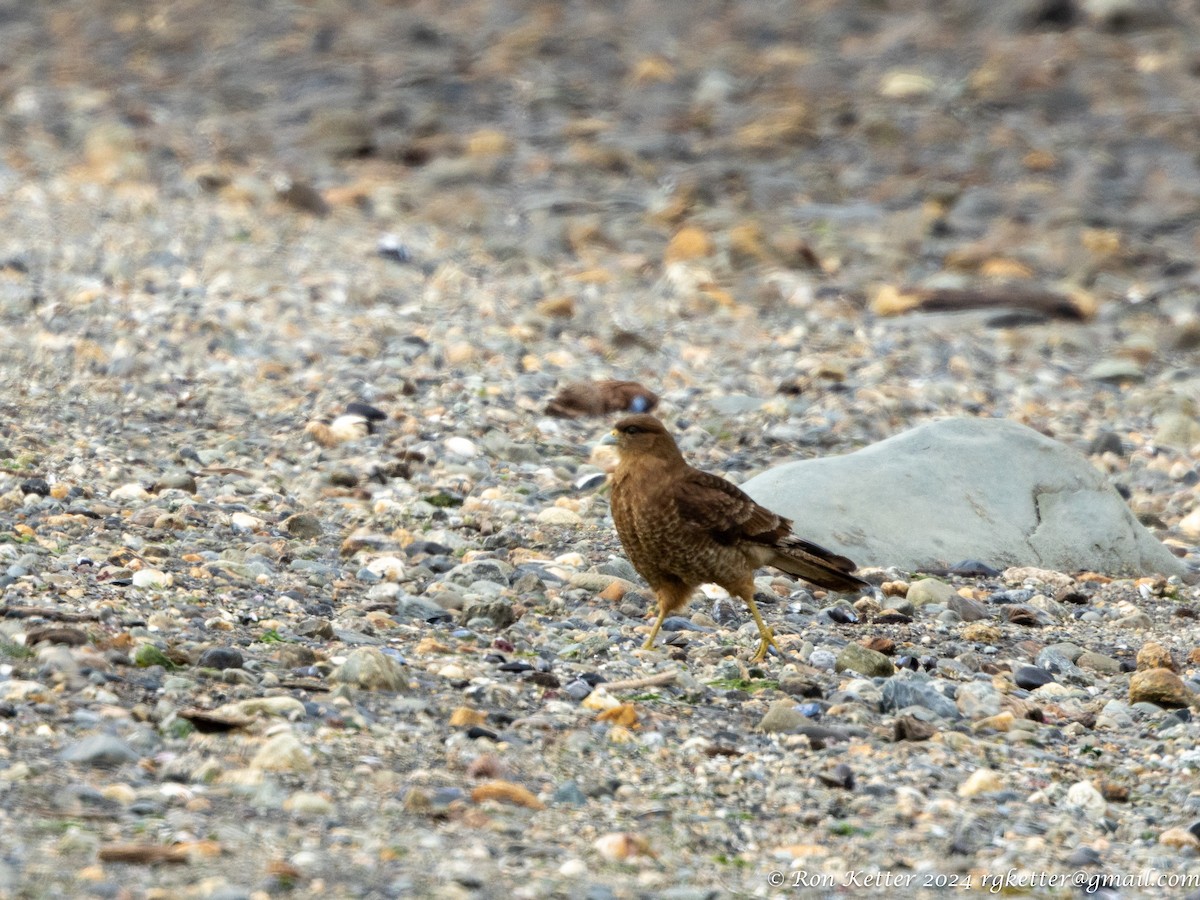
765,645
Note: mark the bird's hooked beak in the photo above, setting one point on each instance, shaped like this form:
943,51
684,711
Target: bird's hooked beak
610,439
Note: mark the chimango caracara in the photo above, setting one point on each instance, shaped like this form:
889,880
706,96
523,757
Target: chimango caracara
683,528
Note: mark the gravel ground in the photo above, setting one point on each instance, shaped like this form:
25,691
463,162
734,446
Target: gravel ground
252,647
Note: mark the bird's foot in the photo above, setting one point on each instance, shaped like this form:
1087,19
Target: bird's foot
649,645
764,647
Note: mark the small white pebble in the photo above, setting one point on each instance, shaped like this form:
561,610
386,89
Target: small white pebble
389,568
573,868
244,522
1083,796
132,491
461,447
152,578
349,428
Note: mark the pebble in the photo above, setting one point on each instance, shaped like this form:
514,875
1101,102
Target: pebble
1084,797
308,803
1190,524
981,781
304,526
568,793
246,523
982,632
127,492
489,613
461,447
858,658
101,750
917,690
1180,839
622,846
823,659
1155,656
176,480
1031,677
156,579
1159,686
147,655
221,658
783,716
420,609
281,706
372,670
925,591
284,752
558,515
1002,722
976,700
389,568
968,610
1098,662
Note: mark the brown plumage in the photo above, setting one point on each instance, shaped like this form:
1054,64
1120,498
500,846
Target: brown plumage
682,528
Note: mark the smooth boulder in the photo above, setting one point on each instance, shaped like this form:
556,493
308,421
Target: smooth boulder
988,489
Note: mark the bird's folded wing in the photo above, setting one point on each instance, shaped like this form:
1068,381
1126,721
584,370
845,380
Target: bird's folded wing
711,503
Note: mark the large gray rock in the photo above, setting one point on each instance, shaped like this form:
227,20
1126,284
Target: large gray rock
986,489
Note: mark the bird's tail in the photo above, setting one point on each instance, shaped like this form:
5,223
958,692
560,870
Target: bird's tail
814,563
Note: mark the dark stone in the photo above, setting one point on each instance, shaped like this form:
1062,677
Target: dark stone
1031,677
220,658
427,548
1083,856
544,679
679,623
968,610
1106,442
840,614
516,665
38,486
909,728
842,776
578,690
800,686
71,637
1027,616
368,412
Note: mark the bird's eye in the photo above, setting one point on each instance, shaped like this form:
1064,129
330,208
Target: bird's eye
631,429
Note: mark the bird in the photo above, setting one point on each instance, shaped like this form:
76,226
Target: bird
682,527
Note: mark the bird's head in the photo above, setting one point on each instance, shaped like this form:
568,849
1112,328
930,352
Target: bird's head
643,435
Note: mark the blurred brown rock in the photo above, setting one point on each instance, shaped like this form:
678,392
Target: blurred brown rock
599,398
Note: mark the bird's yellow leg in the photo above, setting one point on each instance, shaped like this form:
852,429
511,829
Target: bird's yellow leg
662,614
768,639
